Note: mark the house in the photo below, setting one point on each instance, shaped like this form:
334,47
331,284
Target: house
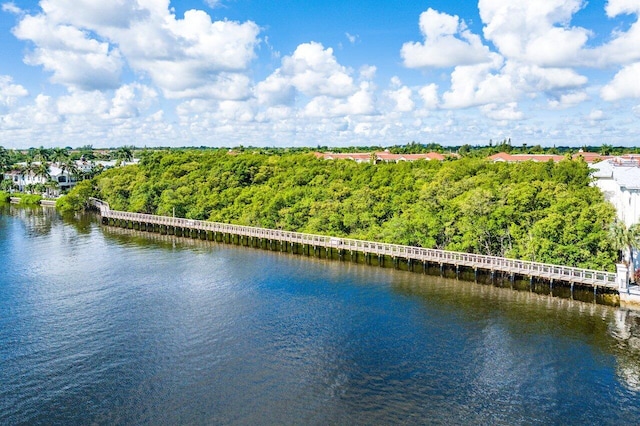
619,180
24,179
589,157
380,156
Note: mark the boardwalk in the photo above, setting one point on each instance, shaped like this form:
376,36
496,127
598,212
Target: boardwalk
410,254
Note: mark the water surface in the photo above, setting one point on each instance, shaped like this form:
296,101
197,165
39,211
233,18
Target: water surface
106,326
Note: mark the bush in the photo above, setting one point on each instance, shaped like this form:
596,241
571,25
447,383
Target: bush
4,197
29,199
77,199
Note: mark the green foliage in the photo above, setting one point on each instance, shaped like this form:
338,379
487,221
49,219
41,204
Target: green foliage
535,211
4,197
28,199
78,198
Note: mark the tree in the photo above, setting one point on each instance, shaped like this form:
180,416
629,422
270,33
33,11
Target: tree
42,170
5,159
42,154
59,156
125,154
625,239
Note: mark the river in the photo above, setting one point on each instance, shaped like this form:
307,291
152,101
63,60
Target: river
106,326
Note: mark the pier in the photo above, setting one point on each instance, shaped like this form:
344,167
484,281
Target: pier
370,252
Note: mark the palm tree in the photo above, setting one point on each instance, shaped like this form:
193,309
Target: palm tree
42,170
42,154
625,239
59,156
125,153
69,168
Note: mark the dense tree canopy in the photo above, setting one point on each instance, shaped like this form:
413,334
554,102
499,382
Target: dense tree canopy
543,212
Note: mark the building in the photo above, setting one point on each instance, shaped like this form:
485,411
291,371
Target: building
23,179
380,156
619,180
589,157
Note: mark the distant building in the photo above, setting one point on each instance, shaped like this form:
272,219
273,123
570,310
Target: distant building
380,156
589,157
619,180
22,179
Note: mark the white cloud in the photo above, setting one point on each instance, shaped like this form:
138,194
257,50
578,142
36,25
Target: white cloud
360,103
429,95
75,59
10,92
475,85
312,78
447,43
314,71
85,44
83,103
213,3
596,115
625,84
536,31
619,7
401,96
11,8
352,38
568,100
508,112
130,100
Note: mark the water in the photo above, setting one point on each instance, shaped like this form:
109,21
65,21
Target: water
105,326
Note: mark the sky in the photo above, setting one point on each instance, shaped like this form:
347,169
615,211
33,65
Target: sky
318,73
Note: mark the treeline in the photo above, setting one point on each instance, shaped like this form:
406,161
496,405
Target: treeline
542,212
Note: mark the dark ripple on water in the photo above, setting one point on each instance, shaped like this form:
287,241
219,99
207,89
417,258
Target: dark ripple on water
109,327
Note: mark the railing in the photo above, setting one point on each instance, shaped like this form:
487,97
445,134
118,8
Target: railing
476,261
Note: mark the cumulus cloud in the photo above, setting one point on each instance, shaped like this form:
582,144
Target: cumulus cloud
429,95
314,70
312,76
568,100
508,112
596,115
448,42
75,59
535,31
475,85
401,96
10,92
625,84
311,71
85,45
130,100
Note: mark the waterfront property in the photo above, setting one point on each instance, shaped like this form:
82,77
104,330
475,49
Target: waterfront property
619,180
376,253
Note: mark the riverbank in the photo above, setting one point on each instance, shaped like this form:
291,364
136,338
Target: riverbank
462,265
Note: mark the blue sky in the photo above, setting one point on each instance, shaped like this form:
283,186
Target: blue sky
301,73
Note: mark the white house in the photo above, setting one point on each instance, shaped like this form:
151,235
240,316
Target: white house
619,180
22,179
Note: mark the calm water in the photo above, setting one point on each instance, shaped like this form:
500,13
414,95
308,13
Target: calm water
102,326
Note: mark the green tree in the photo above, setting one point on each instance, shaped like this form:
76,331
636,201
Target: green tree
625,239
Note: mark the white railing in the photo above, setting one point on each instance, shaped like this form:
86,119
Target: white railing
491,263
